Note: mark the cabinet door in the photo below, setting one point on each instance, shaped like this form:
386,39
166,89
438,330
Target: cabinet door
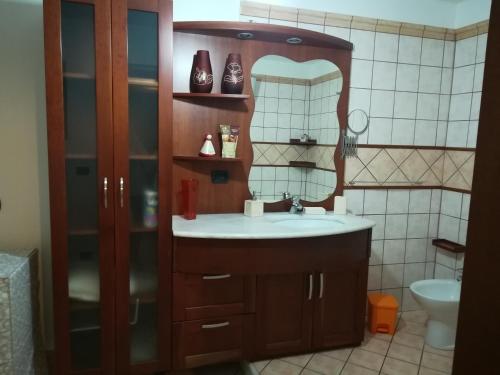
284,313
79,122
141,37
340,302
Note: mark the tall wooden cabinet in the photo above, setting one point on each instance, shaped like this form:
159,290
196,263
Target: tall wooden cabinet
108,68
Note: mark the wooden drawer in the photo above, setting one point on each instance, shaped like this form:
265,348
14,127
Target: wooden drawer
202,342
207,296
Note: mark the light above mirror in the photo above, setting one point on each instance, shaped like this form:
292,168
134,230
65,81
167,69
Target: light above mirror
295,128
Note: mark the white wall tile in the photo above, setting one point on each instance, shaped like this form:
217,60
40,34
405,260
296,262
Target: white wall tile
427,106
403,131
460,107
405,105
441,133
429,270
394,251
355,200
392,275
457,134
465,206
463,79
425,132
397,201
416,250
449,54
380,131
444,107
339,32
472,135
386,47
375,202
413,272
420,201
361,73
384,75
359,99
433,225
451,203
478,77
462,233
282,22
465,51
410,48
374,277
446,80
449,228
481,48
312,27
364,43
382,103
395,226
418,225
446,258
377,252
430,79
475,106
432,52
407,77
378,230
443,272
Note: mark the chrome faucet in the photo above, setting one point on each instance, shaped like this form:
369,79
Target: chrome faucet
460,272
296,208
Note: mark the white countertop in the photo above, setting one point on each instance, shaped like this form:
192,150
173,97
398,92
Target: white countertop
271,225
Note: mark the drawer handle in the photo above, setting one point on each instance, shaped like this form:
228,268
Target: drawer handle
321,285
216,277
216,325
311,286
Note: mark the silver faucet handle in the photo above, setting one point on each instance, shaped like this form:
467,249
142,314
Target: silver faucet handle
295,199
286,195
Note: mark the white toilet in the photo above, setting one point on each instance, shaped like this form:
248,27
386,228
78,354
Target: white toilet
439,298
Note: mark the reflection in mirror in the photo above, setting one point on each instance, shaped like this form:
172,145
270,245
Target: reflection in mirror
294,128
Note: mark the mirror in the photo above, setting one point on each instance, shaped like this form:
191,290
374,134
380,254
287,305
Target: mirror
294,129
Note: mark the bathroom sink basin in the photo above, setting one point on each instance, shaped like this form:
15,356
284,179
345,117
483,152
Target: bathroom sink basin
301,223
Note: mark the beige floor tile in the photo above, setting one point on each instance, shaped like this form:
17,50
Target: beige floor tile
405,353
412,327
366,359
351,369
378,336
418,316
409,340
308,372
278,367
299,360
428,371
375,345
437,362
444,353
341,354
396,367
325,365
259,365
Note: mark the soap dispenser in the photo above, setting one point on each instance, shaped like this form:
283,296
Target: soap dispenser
254,207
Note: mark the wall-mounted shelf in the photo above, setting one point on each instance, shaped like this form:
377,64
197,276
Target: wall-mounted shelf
296,141
448,245
191,95
302,164
203,158
143,157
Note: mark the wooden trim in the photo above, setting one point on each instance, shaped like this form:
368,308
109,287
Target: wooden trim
414,147
262,32
389,187
477,350
144,5
448,245
456,190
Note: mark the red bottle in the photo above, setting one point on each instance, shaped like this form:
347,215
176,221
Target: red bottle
189,198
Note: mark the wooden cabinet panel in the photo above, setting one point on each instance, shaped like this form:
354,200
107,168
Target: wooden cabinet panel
209,341
284,313
206,296
339,310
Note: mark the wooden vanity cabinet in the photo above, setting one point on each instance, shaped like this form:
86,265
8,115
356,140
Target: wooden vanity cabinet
286,296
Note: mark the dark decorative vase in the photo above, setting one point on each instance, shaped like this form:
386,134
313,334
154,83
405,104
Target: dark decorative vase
232,79
201,80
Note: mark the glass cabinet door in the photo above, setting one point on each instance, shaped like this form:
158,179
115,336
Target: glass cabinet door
88,203
143,173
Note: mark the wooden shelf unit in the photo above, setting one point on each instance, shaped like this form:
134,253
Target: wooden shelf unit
192,95
448,245
204,158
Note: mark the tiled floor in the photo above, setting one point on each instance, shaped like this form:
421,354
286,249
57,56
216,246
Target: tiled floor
402,354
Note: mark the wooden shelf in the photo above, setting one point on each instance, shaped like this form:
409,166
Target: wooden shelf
302,164
191,95
296,141
203,158
143,157
448,245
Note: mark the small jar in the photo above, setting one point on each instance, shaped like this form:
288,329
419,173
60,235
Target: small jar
150,213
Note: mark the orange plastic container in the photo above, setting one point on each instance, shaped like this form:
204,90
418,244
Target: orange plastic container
382,313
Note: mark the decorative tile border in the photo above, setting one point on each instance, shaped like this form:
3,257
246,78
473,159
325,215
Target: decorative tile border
279,154
391,167
296,15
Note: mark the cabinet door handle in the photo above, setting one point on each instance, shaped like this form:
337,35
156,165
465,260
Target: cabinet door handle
216,277
122,188
216,325
311,286
105,189
321,285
